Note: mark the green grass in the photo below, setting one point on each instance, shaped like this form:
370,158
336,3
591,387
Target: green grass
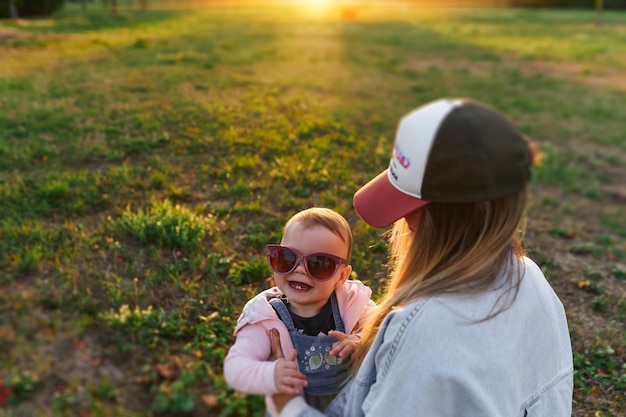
147,158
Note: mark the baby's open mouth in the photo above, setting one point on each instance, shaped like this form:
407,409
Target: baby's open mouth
299,286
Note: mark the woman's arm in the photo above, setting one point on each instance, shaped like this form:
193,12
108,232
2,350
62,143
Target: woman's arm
289,404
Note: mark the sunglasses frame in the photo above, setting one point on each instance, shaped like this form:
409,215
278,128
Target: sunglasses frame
300,258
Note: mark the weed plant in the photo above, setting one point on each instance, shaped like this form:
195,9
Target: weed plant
165,224
146,158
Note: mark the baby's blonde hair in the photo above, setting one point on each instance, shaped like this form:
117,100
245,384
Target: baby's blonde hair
330,219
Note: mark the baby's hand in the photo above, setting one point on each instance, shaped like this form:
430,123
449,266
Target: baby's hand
288,379
346,345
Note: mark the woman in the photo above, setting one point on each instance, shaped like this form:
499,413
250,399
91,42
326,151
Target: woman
468,326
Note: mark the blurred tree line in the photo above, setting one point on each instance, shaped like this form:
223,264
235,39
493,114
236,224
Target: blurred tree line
27,8
15,8
578,4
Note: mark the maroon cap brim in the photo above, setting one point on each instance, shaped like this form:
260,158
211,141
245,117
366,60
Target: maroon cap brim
380,204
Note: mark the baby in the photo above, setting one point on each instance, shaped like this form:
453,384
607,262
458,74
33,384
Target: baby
315,308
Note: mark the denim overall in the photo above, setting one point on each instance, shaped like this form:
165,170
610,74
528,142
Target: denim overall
325,374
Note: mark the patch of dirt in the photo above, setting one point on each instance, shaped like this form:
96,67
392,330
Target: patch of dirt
7,34
589,74
586,74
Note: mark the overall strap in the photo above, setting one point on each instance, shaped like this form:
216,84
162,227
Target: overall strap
283,313
339,326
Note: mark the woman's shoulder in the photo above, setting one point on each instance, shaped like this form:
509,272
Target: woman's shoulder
531,267
537,293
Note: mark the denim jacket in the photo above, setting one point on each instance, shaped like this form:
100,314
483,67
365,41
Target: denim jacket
436,357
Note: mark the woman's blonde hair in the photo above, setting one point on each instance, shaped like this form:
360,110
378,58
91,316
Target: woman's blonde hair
458,248
330,219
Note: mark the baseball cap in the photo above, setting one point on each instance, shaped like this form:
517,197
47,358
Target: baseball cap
446,151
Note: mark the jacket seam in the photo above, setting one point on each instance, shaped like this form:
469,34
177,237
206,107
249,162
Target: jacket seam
551,384
399,338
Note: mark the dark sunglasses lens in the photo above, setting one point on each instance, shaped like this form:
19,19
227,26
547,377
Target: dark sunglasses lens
321,267
282,260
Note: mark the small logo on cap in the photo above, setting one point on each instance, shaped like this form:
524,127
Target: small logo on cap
400,157
393,174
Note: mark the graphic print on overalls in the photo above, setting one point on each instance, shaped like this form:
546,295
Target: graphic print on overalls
324,373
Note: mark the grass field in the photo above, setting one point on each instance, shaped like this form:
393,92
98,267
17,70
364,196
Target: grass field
147,158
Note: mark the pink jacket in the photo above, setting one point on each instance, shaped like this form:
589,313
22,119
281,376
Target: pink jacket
246,367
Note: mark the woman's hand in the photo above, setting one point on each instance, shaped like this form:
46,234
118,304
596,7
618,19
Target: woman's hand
289,380
346,345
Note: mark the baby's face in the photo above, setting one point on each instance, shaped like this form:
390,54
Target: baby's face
307,295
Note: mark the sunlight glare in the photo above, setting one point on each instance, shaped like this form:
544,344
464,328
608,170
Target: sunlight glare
315,4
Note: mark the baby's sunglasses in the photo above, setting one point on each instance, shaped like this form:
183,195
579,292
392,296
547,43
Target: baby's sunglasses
319,266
